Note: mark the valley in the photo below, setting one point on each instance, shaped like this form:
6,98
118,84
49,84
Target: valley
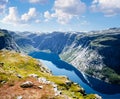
95,53
95,56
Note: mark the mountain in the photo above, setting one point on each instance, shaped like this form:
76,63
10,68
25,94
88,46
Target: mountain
7,41
22,76
95,53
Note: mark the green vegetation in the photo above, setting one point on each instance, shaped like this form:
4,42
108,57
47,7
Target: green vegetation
91,71
97,42
107,73
13,64
112,76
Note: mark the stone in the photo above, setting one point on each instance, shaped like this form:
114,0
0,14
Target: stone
19,76
41,87
19,97
97,96
26,84
68,82
1,64
54,85
82,91
58,93
42,80
33,75
3,82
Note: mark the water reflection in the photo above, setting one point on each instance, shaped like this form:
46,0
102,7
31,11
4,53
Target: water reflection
59,67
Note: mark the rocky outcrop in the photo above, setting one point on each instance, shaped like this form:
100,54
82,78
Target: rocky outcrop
26,84
7,41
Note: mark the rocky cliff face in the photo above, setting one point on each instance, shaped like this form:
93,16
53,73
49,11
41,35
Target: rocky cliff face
98,56
7,42
95,53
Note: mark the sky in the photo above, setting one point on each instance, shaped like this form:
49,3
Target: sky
59,15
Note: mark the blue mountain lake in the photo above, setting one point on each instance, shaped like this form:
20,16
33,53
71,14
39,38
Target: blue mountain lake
90,84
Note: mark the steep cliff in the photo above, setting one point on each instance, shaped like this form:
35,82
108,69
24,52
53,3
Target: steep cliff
95,53
7,41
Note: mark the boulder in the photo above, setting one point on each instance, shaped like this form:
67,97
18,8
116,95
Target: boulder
68,83
26,84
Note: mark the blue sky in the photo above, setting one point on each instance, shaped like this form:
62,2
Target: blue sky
59,15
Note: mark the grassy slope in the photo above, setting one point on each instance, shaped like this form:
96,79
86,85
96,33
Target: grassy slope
16,63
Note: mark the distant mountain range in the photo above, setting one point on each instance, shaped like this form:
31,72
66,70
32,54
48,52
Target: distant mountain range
96,53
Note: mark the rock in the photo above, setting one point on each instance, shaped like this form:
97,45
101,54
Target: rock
54,85
19,76
26,84
75,83
97,96
58,93
68,82
3,82
82,91
19,97
41,87
1,64
42,80
33,75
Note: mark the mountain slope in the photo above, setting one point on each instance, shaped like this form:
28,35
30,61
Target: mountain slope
100,56
95,53
7,41
25,77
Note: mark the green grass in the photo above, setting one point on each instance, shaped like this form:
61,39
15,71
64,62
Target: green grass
112,76
97,41
16,63
107,73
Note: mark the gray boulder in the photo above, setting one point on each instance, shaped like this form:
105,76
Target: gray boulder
26,84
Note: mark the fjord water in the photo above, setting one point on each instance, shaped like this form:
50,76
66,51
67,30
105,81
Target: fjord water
91,85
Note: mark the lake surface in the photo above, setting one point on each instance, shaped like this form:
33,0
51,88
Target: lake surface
91,85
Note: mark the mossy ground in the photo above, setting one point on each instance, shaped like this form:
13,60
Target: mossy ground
13,63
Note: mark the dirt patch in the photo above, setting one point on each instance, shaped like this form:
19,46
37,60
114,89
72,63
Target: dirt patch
11,91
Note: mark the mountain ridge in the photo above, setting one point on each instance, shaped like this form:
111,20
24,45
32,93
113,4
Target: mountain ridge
7,41
90,52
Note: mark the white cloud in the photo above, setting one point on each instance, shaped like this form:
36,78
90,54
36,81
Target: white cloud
47,15
65,10
14,18
30,15
3,5
37,21
108,7
38,1
62,17
84,22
